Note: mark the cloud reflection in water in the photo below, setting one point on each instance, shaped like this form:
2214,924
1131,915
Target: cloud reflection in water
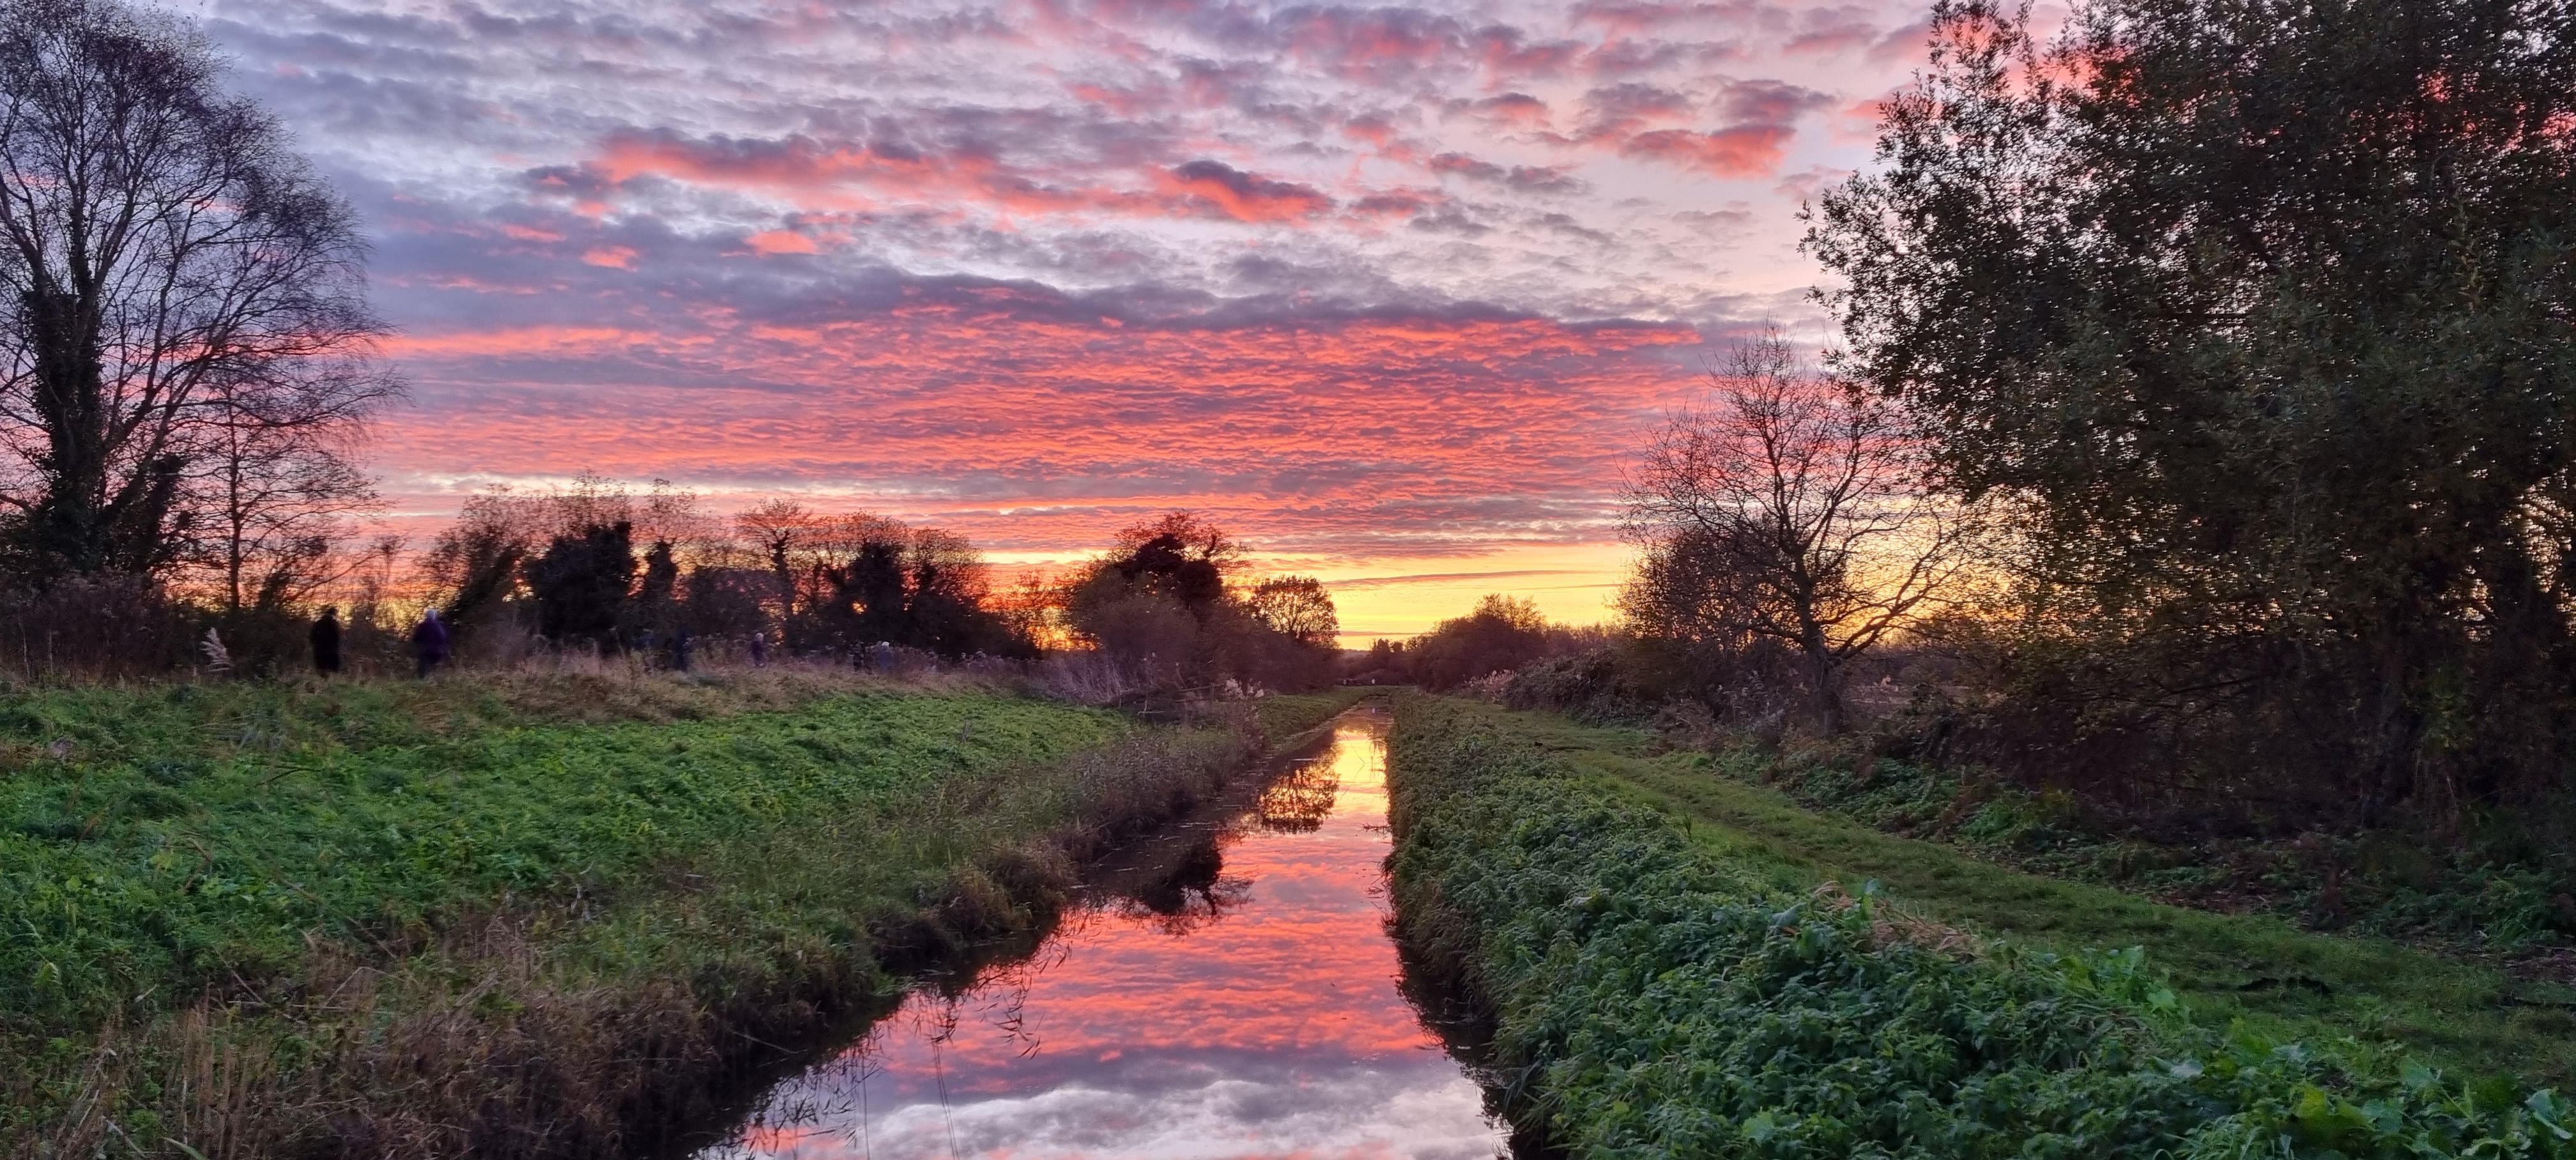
1239,1000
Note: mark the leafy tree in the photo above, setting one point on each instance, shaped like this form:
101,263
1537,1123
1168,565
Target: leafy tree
655,606
1179,556
871,579
870,590
175,277
2258,313
947,598
1162,573
1163,602
1297,607
1501,634
582,581
727,602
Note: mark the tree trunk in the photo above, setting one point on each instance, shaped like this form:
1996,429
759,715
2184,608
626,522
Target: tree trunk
1824,683
68,530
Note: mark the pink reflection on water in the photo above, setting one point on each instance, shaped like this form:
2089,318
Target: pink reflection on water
1235,997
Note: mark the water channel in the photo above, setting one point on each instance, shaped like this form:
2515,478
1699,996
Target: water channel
1226,989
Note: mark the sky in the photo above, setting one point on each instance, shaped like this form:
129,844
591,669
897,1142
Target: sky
1395,293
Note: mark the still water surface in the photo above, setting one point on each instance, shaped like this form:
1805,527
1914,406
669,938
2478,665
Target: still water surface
1228,990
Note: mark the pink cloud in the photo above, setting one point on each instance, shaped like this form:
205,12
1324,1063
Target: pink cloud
1744,151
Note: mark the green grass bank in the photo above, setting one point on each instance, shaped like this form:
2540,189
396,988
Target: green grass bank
512,915
1673,983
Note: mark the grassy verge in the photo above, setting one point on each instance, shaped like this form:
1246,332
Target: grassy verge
531,916
2283,981
2496,889
1671,988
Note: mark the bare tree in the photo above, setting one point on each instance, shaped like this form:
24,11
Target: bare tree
779,530
1795,509
280,504
473,564
175,274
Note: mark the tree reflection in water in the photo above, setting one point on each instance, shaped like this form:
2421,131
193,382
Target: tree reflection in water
1194,893
1300,800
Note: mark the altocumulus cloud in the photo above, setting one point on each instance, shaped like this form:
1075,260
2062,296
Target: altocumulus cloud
1366,280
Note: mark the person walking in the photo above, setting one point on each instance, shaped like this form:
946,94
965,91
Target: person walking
326,642
429,642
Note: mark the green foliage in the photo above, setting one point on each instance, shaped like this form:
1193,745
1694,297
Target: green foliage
2465,892
581,580
1671,1002
2257,311
179,845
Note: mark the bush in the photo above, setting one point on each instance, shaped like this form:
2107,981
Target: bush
97,628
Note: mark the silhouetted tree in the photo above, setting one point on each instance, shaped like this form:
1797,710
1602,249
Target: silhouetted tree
2258,313
1297,607
176,278
582,581
279,504
1179,556
778,529
473,565
869,589
655,606
1503,633
947,598
727,602
1163,601
1795,509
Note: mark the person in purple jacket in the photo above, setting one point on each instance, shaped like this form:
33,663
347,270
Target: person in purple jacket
429,642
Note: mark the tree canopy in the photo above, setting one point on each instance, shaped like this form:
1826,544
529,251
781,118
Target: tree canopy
2257,313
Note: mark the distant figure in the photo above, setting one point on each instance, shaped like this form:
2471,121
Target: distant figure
326,642
680,649
429,642
760,648
881,658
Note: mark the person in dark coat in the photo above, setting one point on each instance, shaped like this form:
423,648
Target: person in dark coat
680,643
429,642
326,642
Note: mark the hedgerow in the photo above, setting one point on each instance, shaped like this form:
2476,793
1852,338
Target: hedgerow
1661,1001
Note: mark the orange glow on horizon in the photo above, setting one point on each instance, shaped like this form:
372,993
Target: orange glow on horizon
1360,449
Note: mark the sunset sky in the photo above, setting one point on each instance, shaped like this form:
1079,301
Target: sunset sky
1392,291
